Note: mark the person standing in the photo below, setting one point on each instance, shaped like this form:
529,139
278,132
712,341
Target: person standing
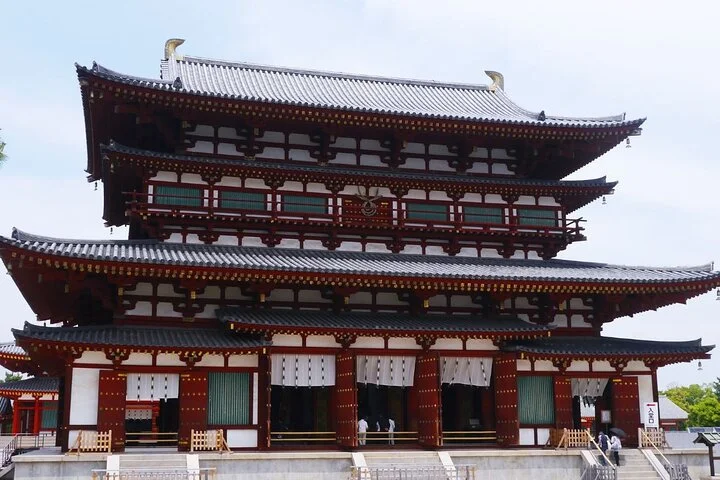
615,447
362,431
604,444
391,431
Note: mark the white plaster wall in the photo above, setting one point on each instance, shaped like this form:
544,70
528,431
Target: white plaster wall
169,360
201,147
165,177
141,308
368,342
543,434
203,130
579,366
321,341
84,394
165,309
637,366
167,290
548,202
281,295
480,344
282,340
544,366
447,344
385,298
408,343
527,436
255,378
602,366
243,361
275,137
252,242
139,359
211,361
227,149
524,365
645,394
237,438
93,357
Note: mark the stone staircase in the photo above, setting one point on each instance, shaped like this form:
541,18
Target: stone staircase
151,461
402,457
634,466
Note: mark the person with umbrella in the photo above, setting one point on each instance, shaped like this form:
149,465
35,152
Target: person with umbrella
615,444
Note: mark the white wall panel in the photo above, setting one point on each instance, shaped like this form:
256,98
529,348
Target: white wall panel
368,342
243,361
480,344
407,343
282,340
237,438
169,360
93,357
84,394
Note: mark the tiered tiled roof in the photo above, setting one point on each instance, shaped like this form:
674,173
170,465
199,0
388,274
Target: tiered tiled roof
30,385
367,323
607,346
347,92
141,337
576,193
151,252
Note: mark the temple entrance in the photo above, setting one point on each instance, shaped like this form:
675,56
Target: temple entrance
467,397
152,410
300,400
379,403
300,416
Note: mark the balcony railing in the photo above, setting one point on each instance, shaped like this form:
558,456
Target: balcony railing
414,472
348,211
301,438
469,436
155,474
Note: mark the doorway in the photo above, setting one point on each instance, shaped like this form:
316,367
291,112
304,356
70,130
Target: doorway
300,416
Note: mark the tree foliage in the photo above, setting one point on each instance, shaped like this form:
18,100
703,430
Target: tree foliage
12,377
702,402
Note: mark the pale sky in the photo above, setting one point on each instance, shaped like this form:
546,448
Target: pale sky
649,59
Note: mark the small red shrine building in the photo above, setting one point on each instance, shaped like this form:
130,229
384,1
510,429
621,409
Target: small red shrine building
309,248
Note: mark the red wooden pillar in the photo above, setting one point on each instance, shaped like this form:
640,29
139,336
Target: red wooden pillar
37,416
562,388
16,417
507,424
427,383
111,406
193,406
346,409
626,408
487,408
264,403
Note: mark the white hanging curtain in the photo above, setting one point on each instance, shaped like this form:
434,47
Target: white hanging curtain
588,387
290,370
393,371
152,386
475,371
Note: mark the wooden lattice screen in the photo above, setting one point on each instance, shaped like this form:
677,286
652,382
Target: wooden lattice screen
427,385
92,441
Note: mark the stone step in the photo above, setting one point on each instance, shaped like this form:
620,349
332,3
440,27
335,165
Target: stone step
401,458
154,461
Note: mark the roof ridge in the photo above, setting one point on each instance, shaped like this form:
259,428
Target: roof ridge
334,74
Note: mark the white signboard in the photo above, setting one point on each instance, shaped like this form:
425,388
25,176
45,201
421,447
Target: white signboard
651,415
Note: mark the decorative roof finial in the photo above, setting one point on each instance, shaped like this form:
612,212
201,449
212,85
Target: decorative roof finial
497,78
171,45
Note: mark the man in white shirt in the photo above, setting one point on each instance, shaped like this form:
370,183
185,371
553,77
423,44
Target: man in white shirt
362,431
391,431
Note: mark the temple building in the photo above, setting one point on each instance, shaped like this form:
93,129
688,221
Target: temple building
308,248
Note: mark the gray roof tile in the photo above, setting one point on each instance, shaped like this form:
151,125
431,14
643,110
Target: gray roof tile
340,91
152,252
33,384
10,349
380,174
141,336
599,346
380,323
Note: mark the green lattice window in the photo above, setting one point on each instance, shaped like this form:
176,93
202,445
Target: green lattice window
49,416
228,398
537,217
536,405
243,200
180,196
483,214
304,204
426,211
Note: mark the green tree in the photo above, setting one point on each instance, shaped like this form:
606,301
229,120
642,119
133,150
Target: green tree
12,377
705,413
716,388
686,397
